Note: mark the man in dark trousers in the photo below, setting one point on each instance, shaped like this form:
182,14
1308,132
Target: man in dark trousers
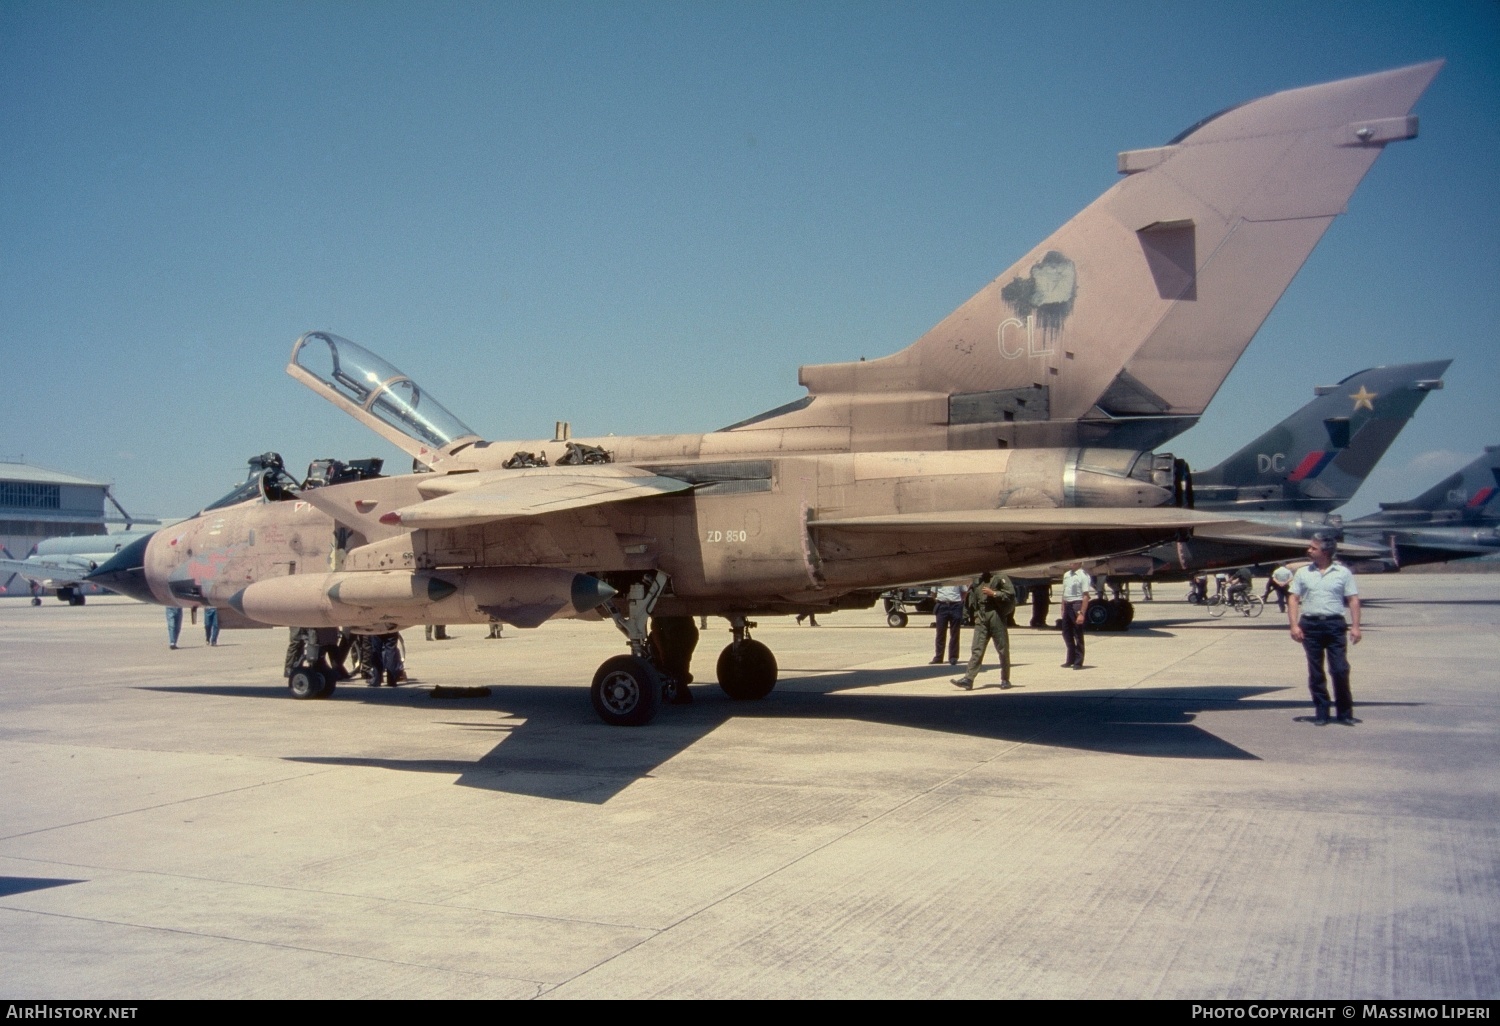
1321,592
992,599
1041,601
1076,590
949,611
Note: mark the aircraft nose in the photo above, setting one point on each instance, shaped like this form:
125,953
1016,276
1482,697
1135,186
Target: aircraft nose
125,571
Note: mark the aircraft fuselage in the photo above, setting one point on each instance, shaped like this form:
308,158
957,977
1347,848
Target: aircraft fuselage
745,539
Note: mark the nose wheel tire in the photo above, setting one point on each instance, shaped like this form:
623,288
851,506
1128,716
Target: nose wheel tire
308,684
626,692
747,670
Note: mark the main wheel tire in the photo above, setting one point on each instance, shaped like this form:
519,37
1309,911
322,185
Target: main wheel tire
1098,616
747,670
895,619
626,692
1254,606
1116,620
306,683
1127,614
329,683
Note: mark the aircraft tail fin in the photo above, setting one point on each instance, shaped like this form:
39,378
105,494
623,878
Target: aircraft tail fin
1319,456
1119,328
1466,492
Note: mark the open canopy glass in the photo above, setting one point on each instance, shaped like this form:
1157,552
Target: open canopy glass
352,376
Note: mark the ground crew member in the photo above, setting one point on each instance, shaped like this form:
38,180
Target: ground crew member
992,599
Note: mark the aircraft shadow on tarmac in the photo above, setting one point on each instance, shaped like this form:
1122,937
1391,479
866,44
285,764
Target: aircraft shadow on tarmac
1164,628
21,884
1428,602
555,749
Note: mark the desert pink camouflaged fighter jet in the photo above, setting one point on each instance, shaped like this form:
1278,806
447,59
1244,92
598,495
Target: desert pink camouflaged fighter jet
1009,434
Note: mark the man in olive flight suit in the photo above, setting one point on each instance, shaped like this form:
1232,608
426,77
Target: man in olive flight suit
992,599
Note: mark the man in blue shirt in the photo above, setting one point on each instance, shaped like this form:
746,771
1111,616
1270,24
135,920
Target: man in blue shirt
1320,594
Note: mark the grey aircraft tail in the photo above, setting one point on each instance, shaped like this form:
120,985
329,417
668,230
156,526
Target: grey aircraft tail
1119,328
1466,493
1457,518
1318,457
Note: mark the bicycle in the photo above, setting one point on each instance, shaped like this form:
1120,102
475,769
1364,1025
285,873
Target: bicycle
1240,600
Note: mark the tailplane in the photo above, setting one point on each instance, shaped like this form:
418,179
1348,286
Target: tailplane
1119,328
1318,457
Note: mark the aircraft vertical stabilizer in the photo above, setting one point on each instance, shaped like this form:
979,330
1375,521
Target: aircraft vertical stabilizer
1120,327
1318,457
1466,492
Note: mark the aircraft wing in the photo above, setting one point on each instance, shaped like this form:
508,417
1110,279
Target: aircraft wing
1071,518
1236,534
56,571
461,500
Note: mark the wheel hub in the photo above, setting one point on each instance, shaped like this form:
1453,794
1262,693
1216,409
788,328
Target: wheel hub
620,692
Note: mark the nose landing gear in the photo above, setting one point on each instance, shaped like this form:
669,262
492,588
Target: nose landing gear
627,689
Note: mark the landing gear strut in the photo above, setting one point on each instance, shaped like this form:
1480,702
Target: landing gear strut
627,690
747,669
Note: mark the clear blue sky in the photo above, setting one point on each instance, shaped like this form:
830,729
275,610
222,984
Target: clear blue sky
642,217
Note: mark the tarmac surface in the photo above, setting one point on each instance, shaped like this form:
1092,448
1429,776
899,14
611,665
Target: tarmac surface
1165,823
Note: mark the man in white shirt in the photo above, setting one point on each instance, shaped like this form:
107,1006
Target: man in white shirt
1320,594
1076,590
949,610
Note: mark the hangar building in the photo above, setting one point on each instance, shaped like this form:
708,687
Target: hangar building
36,503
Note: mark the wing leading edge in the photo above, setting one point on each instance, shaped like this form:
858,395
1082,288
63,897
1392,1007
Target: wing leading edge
464,500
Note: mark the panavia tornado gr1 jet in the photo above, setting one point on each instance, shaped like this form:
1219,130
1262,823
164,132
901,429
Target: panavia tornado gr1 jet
1457,518
1009,434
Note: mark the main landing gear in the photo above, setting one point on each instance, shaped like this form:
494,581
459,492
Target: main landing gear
628,690
747,669
1109,615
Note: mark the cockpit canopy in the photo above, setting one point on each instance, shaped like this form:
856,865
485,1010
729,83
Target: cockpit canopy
365,386
267,481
